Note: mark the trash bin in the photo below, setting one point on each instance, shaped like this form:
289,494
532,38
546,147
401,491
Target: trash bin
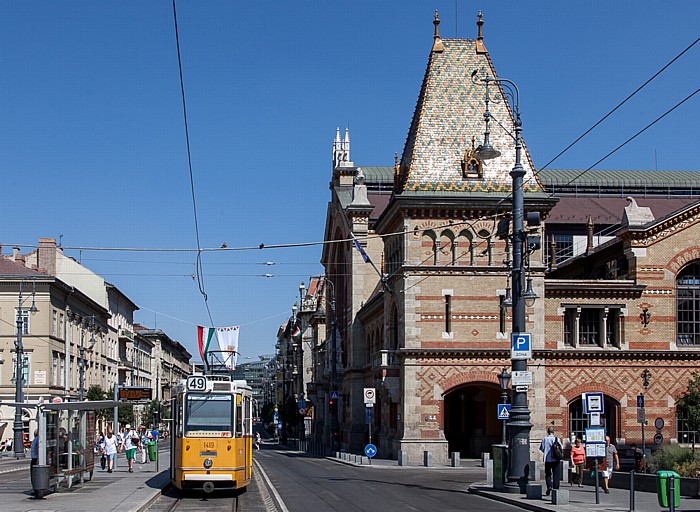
663,485
40,480
152,453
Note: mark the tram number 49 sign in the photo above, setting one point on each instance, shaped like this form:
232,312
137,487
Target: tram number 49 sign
196,383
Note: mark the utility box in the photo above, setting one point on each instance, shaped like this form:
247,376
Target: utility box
668,486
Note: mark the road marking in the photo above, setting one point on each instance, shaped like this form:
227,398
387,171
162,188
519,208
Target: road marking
280,502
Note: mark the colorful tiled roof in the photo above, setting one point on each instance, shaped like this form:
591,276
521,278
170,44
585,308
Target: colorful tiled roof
449,112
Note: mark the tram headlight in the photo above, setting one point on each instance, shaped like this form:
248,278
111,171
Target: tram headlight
208,463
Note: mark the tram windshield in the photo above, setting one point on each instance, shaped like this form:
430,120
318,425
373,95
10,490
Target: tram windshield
208,415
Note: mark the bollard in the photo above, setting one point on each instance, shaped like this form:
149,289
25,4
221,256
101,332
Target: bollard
672,493
533,491
455,460
560,496
632,490
484,457
534,470
403,458
489,473
427,459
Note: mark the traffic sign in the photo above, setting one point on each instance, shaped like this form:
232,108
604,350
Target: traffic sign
641,415
521,389
520,346
658,438
335,395
659,423
370,396
368,415
370,450
503,411
640,400
522,378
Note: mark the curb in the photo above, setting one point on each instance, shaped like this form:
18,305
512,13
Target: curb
475,489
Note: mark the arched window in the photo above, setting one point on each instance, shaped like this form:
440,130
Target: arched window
448,252
465,248
429,252
688,305
486,241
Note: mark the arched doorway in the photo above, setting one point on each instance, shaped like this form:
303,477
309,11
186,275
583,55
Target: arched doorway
471,423
579,422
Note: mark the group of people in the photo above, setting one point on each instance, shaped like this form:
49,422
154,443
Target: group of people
577,461
128,441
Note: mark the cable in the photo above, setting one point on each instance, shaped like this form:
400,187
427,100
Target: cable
198,260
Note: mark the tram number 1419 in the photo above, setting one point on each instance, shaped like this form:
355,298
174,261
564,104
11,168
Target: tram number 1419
196,383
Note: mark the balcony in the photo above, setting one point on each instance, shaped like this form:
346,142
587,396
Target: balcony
126,334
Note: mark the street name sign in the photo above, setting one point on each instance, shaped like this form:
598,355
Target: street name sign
520,346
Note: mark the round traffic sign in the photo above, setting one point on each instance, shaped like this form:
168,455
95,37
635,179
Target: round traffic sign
659,423
658,438
370,450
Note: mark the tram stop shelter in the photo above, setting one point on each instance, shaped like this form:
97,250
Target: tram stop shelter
66,443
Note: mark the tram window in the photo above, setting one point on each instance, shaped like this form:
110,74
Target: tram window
239,418
207,414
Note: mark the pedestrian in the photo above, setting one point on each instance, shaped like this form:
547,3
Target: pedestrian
143,439
578,461
257,441
129,444
110,449
612,462
639,462
551,463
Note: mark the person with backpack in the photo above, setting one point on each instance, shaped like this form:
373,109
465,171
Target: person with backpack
553,452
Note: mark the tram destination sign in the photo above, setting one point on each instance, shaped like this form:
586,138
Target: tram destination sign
135,393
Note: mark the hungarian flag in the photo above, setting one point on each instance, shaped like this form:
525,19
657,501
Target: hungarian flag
296,330
205,335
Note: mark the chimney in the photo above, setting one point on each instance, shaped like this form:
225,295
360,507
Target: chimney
21,259
15,252
47,255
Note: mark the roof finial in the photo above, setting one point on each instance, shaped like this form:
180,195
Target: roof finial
437,43
480,47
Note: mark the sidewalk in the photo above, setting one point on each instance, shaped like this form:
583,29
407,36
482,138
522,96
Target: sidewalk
583,500
118,491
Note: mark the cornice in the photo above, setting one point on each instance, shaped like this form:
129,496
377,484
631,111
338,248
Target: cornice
644,237
553,355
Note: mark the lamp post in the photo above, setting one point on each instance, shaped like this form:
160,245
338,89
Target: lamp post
87,323
519,421
646,377
504,381
300,357
18,426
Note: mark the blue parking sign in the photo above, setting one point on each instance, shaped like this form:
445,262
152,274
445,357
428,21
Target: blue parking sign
520,346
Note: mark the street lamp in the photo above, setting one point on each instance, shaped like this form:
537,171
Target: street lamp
89,324
18,425
519,421
504,381
300,357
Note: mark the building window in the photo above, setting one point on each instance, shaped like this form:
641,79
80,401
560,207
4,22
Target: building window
54,323
23,314
590,326
448,313
60,326
563,248
25,369
54,369
688,305
62,370
684,433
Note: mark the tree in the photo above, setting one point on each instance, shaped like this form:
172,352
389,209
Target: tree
689,403
150,412
96,393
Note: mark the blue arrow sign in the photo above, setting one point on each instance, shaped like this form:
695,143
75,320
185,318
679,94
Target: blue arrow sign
370,450
503,411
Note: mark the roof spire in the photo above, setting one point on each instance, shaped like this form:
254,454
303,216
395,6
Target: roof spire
480,47
437,43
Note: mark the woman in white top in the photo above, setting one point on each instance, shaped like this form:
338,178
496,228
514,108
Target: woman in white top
110,449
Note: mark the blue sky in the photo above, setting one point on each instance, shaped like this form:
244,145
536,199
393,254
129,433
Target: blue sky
93,149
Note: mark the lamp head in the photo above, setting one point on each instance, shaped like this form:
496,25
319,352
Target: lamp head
504,379
507,300
529,296
486,151
294,309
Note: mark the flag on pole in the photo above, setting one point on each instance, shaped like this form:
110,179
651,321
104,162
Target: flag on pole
228,342
362,251
296,330
204,339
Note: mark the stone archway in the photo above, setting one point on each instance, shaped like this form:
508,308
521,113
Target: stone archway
610,420
471,425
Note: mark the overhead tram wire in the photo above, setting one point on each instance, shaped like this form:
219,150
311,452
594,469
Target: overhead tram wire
198,264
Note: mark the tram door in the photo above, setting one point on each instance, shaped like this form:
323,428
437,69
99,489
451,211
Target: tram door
248,433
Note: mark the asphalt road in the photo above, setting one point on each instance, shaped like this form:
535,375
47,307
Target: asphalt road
317,484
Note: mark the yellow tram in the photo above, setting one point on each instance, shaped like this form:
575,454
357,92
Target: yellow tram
211,435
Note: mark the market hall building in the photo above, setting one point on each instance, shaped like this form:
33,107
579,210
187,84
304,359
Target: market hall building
617,276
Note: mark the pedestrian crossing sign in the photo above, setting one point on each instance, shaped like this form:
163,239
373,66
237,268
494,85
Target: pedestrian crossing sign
503,411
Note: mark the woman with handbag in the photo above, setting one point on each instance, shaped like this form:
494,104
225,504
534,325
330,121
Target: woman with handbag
110,449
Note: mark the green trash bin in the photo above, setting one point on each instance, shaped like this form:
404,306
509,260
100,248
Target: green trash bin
152,453
663,485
